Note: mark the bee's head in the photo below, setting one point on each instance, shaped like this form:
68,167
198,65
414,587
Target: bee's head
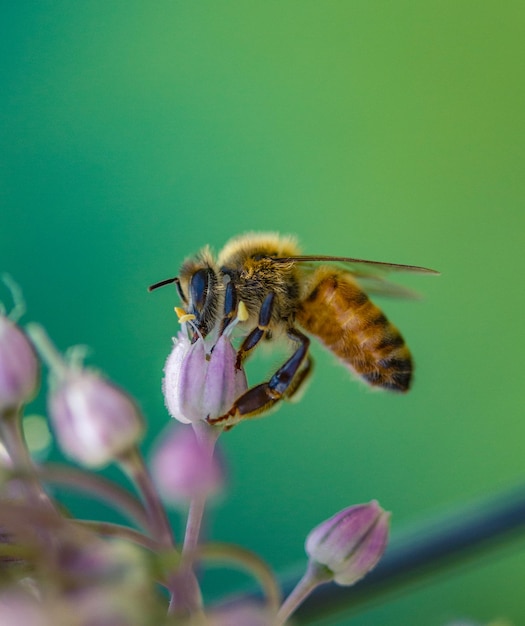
199,288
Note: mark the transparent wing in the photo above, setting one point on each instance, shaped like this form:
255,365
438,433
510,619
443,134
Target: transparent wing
369,274
356,266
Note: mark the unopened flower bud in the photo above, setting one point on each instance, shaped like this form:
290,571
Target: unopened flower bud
199,384
19,368
243,615
17,606
184,467
94,420
350,543
115,587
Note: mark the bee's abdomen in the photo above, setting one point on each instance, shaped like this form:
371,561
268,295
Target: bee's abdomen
342,316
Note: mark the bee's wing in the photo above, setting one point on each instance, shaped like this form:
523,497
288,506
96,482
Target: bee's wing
369,274
356,266
379,286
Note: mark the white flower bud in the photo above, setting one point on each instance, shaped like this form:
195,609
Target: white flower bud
94,420
19,368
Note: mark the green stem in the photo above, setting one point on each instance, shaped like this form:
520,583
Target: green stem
15,553
109,529
248,561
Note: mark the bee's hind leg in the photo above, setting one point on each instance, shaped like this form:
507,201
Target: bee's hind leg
284,383
297,386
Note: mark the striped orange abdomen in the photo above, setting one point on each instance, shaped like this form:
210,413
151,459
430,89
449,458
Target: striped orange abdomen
340,314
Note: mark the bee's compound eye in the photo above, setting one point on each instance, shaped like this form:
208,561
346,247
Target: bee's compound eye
199,286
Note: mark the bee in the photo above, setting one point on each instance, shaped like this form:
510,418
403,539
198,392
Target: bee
285,294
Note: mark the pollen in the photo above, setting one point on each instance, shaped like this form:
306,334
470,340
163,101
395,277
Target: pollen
242,312
183,316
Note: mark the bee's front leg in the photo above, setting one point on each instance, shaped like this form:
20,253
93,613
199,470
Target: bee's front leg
230,306
253,338
285,382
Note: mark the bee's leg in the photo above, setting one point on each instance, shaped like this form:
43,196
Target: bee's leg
265,316
230,306
297,386
282,384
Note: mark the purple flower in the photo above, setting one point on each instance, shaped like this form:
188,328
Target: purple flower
106,583
94,420
19,368
351,542
18,606
184,467
201,381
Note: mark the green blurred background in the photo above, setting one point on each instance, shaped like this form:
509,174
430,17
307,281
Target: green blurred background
133,133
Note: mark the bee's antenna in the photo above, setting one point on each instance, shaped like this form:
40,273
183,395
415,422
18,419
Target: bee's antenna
168,281
161,283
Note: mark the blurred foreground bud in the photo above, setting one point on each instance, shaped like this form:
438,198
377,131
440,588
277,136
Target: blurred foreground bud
10,489
19,369
95,421
86,582
184,467
106,582
18,607
200,384
244,615
350,543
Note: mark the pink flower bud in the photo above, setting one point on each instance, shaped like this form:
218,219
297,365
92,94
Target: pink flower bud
19,607
184,468
94,420
351,542
19,368
199,384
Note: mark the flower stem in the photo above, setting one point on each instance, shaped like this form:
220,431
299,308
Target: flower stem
48,351
313,577
12,436
246,560
207,437
97,486
186,587
133,465
186,597
117,530
193,526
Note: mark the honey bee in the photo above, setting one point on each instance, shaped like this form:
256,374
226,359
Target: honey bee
282,294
